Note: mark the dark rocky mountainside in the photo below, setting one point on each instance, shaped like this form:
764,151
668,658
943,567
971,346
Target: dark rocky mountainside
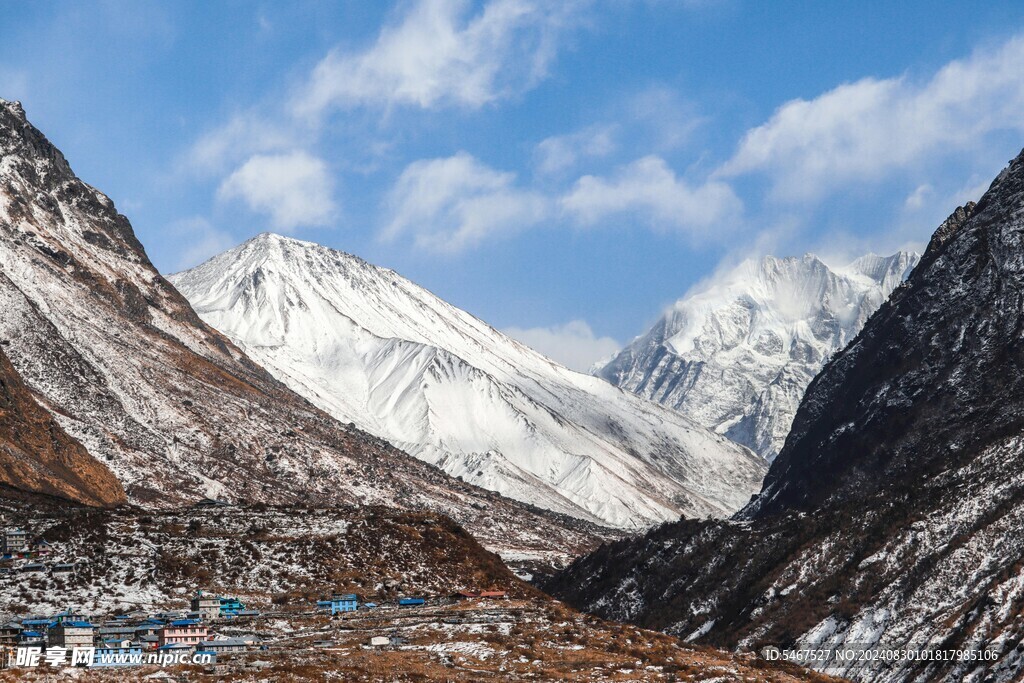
38,457
126,370
892,515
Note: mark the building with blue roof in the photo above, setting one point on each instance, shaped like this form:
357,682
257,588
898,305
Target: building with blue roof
339,603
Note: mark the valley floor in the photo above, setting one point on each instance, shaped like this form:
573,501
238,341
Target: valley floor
517,640
280,561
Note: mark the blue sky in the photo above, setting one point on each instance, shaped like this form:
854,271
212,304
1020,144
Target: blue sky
561,170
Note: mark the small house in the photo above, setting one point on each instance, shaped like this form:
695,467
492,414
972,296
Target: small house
223,645
69,615
208,606
38,623
493,595
170,616
10,632
380,641
71,634
33,568
149,627
148,642
31,638
63,568
411,602
119,632
230,607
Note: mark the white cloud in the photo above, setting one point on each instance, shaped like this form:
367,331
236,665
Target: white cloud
573,344
562,152
650,188
666,119
294,189
440,54
242,136
453,203
203,240
861,131
916,199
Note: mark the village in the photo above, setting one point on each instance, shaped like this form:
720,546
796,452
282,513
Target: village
210,630
263,593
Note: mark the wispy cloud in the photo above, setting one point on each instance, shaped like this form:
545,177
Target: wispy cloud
294,189
439,53
244,134
573,344
559,153
650,189
453,203
865,130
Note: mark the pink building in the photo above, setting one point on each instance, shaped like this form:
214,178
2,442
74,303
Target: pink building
183,632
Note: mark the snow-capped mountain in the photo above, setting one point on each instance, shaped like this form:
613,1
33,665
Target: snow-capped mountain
112,374
892,517
737,355
374,349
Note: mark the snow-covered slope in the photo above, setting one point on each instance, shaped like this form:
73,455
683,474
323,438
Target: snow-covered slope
372,348
104,353
737,355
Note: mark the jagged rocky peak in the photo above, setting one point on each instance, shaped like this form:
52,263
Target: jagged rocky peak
891,517
737,353
373,348
932,377
948,229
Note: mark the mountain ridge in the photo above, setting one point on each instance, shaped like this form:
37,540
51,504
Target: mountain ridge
346,334
124,366
737,353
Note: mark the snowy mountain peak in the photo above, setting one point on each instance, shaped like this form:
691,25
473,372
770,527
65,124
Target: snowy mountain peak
116,388
372,348
737,353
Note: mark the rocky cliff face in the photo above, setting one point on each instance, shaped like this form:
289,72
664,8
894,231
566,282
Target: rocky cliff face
38,457
891,517
176,411
738,354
